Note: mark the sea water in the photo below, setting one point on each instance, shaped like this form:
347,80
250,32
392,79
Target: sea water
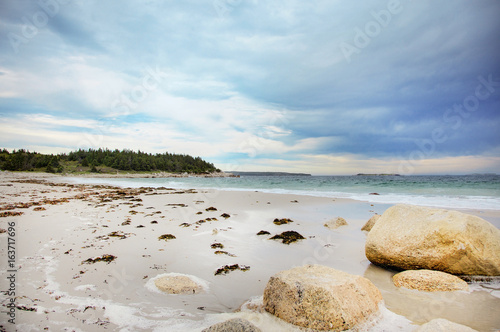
480,192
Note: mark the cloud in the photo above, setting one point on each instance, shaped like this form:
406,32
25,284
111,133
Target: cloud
256,83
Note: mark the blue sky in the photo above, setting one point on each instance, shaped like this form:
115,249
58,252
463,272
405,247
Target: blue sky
324,87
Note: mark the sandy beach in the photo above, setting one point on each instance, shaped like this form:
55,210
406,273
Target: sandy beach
61,227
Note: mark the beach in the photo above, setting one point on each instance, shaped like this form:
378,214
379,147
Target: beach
66,225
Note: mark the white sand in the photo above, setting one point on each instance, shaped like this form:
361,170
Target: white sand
51,245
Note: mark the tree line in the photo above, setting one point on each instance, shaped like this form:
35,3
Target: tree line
91,159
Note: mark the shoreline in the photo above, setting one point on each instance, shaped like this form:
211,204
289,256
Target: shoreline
77,222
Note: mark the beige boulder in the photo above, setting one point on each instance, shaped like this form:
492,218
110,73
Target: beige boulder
233,325
370,223
321,298
429,281
443,325
413,237
335,223
178,284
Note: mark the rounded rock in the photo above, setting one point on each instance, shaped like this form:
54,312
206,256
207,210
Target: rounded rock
321,298
413,237
429,281
178,284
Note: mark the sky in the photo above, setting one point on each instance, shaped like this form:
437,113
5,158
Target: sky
321,87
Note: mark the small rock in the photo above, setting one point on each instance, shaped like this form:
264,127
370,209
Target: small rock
443,325
429,281
178,284
336,223
233,325
370,223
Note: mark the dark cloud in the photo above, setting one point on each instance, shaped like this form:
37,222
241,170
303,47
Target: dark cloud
380,101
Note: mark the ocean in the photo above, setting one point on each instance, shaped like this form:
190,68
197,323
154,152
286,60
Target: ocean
480,192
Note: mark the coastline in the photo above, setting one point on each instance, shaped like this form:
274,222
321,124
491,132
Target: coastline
55,288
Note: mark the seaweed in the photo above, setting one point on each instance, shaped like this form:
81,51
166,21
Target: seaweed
104,258
222,252
184,224
166,237
211,209
263,233
228,268
217,246
288,237
119,234
10,214
225,215
282,221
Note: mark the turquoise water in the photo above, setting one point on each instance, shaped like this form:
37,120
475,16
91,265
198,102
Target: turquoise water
467,191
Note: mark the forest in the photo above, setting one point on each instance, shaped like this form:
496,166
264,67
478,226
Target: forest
103,161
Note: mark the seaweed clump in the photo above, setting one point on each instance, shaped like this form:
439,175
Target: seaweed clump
166,237
282,221
288,237
263,233
225,215
228,268
222,252
211,209
119,234
10,214
104,258
217,246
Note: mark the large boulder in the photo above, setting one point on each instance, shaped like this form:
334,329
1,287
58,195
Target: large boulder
443,325
233,325
413,237
321,298
429,281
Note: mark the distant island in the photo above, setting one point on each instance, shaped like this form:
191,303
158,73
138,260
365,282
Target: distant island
103,161
269,174
382,174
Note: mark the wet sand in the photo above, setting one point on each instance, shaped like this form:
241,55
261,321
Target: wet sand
56,290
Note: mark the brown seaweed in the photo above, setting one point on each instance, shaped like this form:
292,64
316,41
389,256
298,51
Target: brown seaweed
288,237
